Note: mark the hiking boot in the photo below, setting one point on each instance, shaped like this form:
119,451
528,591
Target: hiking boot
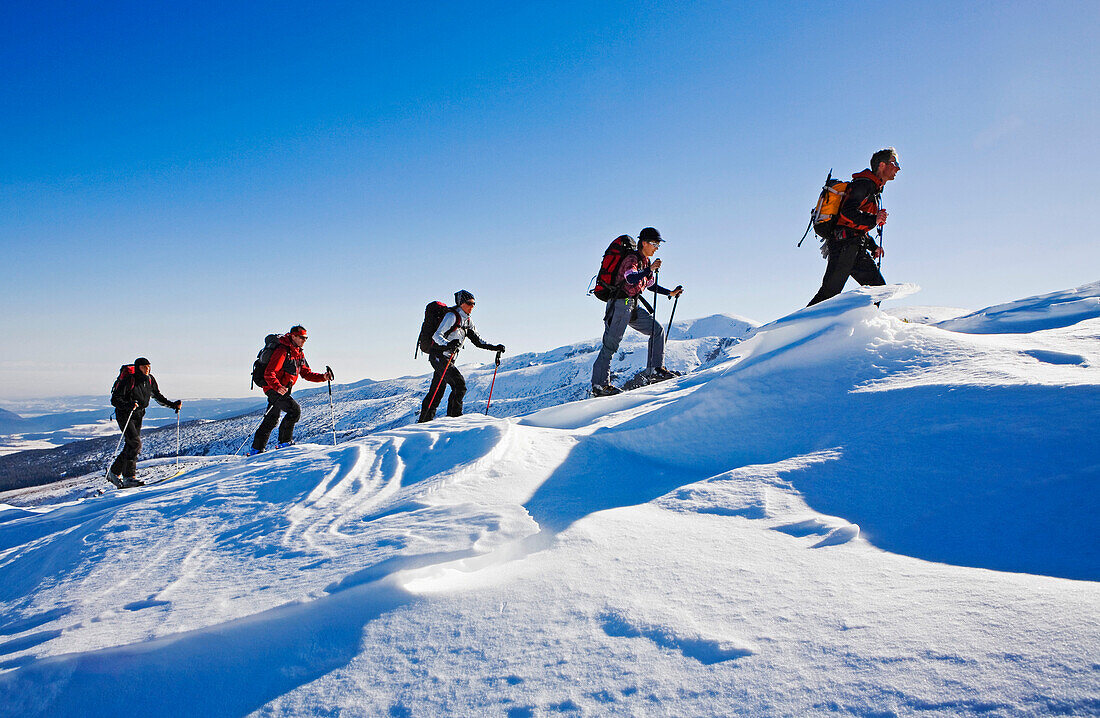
284,444
253,452
605,390
115,479
129,482
663,373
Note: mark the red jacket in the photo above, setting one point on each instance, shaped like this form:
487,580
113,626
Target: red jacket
287,363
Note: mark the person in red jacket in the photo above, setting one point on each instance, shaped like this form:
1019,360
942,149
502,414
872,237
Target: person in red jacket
851,251
287,363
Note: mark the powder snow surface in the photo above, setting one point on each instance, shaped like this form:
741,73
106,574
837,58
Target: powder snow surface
845,513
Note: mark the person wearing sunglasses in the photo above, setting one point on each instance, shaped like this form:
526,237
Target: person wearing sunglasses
452,332
851,252
287,363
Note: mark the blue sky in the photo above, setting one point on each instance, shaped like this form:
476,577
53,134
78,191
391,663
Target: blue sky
180,181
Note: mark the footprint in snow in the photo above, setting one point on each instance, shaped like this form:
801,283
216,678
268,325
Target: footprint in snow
834,534
705,649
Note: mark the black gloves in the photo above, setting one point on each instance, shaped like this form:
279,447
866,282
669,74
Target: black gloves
177,404
452,345
497,348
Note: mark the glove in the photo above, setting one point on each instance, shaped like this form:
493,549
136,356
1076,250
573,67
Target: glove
452,345
177,404
497,348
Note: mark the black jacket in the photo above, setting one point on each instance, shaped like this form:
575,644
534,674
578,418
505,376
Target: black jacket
140,388
859,211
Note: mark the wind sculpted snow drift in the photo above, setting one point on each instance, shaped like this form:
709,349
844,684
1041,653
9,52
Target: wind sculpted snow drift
844,513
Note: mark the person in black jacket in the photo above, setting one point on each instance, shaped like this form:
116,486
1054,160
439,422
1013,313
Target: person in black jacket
851,251
453,329
130,397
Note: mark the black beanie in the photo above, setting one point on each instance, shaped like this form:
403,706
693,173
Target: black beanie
141,361
649,234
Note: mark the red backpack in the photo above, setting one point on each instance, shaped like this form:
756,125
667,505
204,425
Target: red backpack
124,383
606,279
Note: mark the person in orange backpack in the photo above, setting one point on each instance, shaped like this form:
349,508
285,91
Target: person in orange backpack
287,363
851,251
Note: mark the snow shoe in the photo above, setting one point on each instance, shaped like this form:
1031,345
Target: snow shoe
115,479
642,378
253,452
663,373
605,390
129,482
284,444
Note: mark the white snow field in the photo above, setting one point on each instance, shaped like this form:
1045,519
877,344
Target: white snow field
846,513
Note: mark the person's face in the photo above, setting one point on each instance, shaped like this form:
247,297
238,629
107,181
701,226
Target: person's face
890,169
298,340
467,307
145,369
650,248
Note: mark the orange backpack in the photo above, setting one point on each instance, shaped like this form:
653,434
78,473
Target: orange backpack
825,213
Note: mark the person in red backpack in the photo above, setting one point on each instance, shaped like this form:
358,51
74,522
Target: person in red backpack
851,251
287,363
130,396
628,307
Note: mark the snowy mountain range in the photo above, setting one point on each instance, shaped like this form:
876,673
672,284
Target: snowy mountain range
837,513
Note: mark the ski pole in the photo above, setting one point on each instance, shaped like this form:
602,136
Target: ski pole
491,385
177,437
880,246
269,408
656,281
332,410
441,377
450,359
668,332
121,438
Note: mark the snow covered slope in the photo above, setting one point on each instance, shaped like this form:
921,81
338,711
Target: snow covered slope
525,382
1046,311
843,514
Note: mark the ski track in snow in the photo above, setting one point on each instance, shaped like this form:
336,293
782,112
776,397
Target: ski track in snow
284,583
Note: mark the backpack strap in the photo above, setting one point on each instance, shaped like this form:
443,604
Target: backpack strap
458,322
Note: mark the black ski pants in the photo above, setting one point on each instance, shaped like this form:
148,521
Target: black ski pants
125,463
847,258
444,374
276,403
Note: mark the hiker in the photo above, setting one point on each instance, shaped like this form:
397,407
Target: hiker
130,396
287,363
851,251
626,305
448,338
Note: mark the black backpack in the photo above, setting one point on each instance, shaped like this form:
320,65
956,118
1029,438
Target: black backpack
605,286
433,315
263,359
124,383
